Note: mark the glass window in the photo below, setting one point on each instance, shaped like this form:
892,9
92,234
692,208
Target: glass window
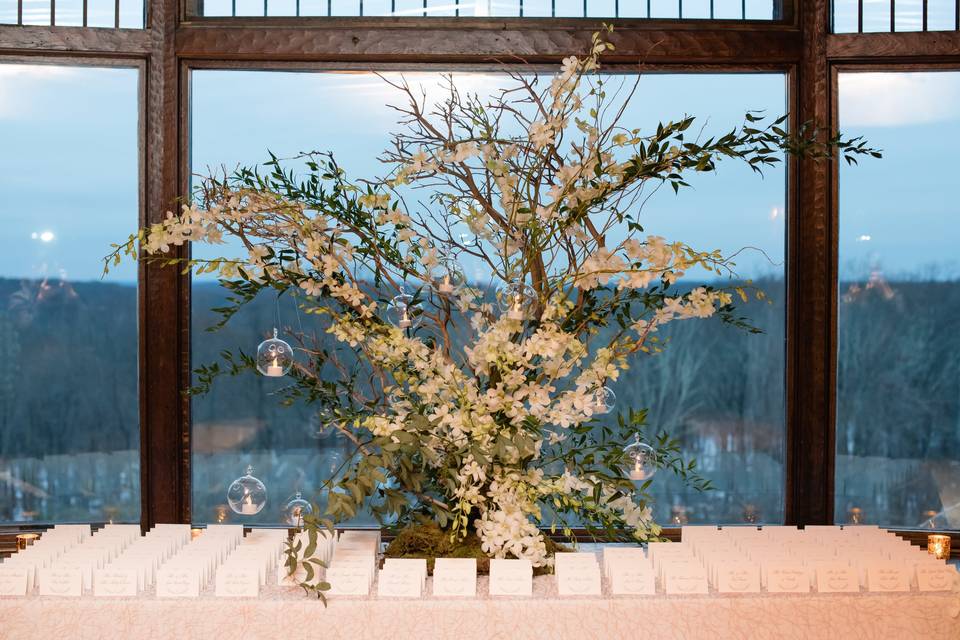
69,425
717,389
70,13
663,9
898,373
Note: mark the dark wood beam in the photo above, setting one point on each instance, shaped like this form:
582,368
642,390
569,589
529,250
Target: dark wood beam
811,297
164,441
449,42
77,41
930,46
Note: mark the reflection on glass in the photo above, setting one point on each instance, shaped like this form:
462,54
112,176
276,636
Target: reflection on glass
717,389
898,378
69,426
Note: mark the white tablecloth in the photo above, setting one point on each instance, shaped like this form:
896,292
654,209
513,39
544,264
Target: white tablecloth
289,614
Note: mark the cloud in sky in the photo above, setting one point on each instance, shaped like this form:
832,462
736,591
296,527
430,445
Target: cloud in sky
21,83
898,99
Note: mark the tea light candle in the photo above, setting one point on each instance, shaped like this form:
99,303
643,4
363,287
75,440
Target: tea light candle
275,370
938,545
195,533
26,539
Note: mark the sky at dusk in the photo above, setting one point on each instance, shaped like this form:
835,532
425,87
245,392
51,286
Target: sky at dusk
68,154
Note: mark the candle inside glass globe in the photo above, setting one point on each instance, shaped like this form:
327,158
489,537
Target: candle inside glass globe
296,509
447,277
247,495
515,298
604,400
403,312
641,460
274,357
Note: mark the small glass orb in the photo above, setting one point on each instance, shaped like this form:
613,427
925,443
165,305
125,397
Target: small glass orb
516,299
404,313
855,516
678,515
447,277
296,509
247,495
641,460
274,357
604,400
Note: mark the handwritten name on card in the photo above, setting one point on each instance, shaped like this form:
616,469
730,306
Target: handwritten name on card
455,583
837,579
511,578
237,582
579,581
685,580
743,579
348,581
787,579
113,583
61,582
14,581
399,583
178,583
935,578
637,580
887,579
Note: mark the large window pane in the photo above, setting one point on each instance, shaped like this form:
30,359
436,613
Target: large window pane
717,389
69,427
898,379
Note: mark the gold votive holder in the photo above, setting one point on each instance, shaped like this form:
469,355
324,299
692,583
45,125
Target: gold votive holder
195,533
24,540
938,545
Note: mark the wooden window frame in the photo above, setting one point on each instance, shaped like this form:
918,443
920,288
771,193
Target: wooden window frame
799,44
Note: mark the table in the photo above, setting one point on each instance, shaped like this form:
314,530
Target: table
288,613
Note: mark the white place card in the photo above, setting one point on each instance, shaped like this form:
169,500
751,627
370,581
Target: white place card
886,578
787,578
931,577
837,578
66,581
115,582
739,578
632,579
14,581
237,582
178,582
348,581
455,577
685,580
395,582
511,577
579,580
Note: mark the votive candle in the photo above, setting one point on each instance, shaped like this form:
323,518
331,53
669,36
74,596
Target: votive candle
26,539
938,545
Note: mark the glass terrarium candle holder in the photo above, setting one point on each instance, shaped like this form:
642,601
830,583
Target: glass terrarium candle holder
938,545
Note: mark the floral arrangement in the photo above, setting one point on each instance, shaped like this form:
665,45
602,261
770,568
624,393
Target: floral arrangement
481,413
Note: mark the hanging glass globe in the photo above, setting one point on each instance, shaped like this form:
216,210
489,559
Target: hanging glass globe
296,509
274,357
641,460
515,299
447,277
604,400
247,495
403,312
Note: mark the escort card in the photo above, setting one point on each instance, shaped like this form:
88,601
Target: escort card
348,581
787,578
837,578
581,580
61,581
511,577
614,555
931,577
685,580
242,581
113,582
178,582
632,579
455,577
887,578
738,578
14,581
397,582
